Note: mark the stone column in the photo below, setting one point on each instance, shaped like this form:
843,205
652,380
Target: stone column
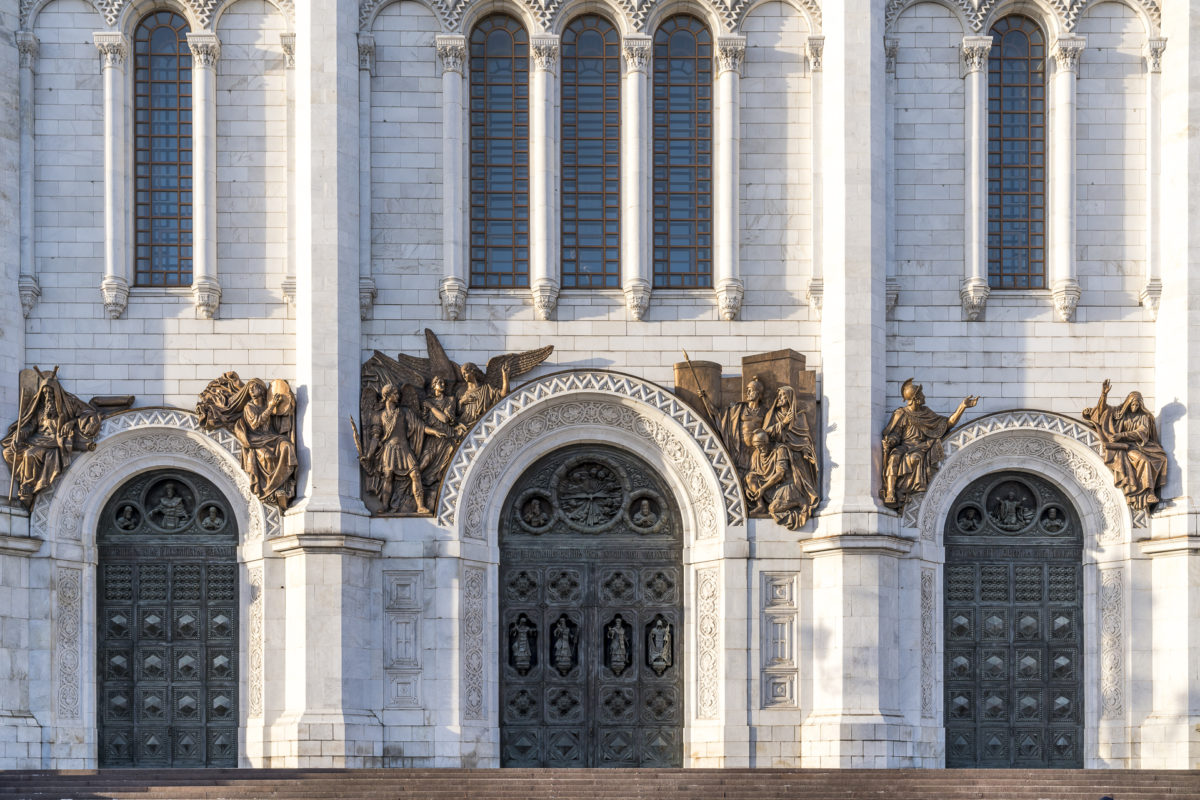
637,270
332,661
206,288
114,288
731,50
543,174
1064,283
1151,291
27,48
974,289
891,50
452,51
287,41
366,283
815,50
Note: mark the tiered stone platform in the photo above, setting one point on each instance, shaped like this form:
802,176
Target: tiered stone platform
588,784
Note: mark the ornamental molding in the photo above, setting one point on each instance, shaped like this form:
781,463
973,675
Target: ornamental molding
1039,441
113,47
201,13
637,50
287,42
543,53
975,52
452,51
928,612
544,407
68,624
474,582
1154,51
814,48
168,436
708,643
731,52
366,52
27,49
206,50
1066,52
1066,13
1112,627
255,656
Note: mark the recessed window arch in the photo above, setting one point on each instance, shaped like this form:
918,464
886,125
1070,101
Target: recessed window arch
499,113
162,64
591,154
683,109
1017,155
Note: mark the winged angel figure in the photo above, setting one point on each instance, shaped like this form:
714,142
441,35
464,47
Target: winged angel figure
416,410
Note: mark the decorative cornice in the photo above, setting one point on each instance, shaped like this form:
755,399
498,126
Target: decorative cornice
113,47
543,52
452,51
337,543
1067,50
1154,51
366,52
975,52
891,49
27,48
859,543
731,51
205,47
19,545
814,48
288,42
637,50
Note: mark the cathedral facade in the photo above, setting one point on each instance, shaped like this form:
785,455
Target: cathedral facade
786,383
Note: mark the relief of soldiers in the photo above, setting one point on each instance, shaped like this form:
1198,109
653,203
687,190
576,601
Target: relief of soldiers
1131,447
740,421
912,444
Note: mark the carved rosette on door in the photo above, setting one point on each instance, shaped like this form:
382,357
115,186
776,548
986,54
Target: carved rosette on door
591,613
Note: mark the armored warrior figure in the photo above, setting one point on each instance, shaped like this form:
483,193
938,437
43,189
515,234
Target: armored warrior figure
912,445
740,421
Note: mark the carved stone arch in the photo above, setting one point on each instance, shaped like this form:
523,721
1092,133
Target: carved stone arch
963,11
124,15
30,9
1056,17
809,9
597,406
1147,11
368,12
716,15
463,16
1060,449
286,9
621,13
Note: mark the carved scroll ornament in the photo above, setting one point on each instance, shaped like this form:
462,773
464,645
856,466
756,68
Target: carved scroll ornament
263,420
1130,447
414,412
912,445
51,424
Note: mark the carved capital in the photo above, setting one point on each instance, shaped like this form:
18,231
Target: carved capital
1067,50
637,298
288,287
729,298
545,298
288,42
27,48
366,297
114,293
206,294
815,295
974,294
206,49
30,291
452,51
1066,297
366,52
453,292
543,52
891,296
1154,50
814,48
113,47
891,49
975,52
637,50
731,51
1149,297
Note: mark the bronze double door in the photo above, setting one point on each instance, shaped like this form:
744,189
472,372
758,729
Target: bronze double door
591,615
166,616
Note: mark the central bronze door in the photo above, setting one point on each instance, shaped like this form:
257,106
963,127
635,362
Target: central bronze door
591,615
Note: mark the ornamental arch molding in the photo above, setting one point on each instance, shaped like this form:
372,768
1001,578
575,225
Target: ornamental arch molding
1061,449
592,406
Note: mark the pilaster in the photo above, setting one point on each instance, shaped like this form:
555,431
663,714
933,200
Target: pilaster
731,51
287,42
206,288
452,53
814,48
366,282
114,287
636,270
1151,292
974,290
1064,283
543,174
28,287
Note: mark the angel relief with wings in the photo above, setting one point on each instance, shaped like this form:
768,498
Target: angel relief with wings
415,411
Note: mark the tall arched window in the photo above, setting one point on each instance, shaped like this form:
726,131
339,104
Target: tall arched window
499,153
591,154
1017,156
162,152
683,88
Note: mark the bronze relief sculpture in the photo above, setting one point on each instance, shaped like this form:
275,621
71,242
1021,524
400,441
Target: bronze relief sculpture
912,445
51,424
414,411
1130,447
263,420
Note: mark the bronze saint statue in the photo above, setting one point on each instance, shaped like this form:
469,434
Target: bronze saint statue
912,445
51,424
264,423
618,651
438,403
787,425
171,509
521,633
740,421
658,649
1131,448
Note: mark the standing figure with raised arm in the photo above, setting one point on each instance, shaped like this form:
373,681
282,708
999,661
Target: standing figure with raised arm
912,444
1131,447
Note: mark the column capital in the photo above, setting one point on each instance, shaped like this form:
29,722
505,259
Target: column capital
975,53
1065,294
891,49
27,47
452,51
366,52
637,50
288,42
814,48
205,47
113,46
1067,50
1154,50
543,52
731,51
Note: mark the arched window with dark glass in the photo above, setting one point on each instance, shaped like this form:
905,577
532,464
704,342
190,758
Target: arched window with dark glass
499,111
591,154
162,153
1017,156
683,105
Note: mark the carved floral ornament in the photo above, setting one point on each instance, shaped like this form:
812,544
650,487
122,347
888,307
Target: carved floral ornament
1066,13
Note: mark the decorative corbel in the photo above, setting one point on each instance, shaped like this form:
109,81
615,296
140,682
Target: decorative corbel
816,295
1149,297
1066,297
729,298
637,298
114,293
366,296
30,291
453,291
973,292
891,296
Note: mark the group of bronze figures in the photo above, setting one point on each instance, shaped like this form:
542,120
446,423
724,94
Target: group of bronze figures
415,411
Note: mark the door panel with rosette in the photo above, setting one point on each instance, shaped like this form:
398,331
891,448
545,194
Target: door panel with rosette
591,611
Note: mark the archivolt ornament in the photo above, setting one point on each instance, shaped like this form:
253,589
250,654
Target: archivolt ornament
513,422
975,12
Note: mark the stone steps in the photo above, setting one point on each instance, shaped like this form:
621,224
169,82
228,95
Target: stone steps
594,784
